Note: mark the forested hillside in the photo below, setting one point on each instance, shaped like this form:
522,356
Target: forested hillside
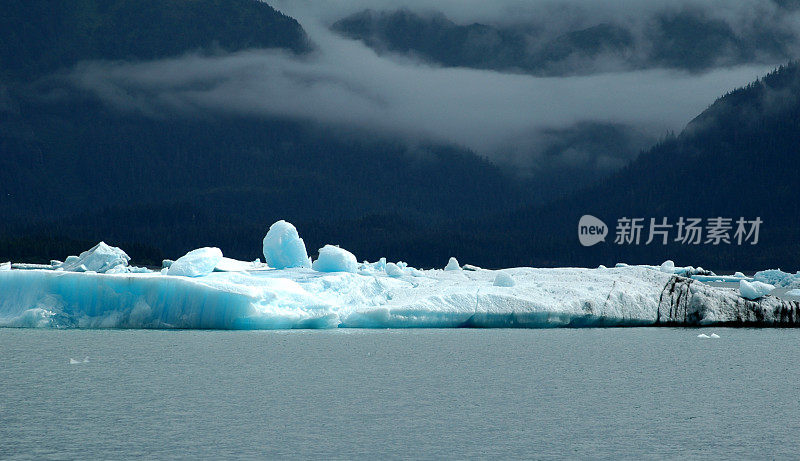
687,39
75,169
739,158
41,36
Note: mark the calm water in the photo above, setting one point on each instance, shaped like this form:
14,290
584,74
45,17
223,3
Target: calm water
599,393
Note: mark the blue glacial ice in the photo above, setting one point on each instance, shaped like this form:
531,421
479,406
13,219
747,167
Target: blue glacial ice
452,265
283,247
335,259
778,278
196,263
229,294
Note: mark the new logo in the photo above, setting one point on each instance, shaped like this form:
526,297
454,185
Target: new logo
591,230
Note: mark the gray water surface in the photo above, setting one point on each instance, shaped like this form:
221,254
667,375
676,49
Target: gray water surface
589,393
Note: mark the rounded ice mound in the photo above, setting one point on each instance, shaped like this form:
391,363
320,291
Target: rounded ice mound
668,266
452,265
504,280
196,263
393,270
754,290
335,259
284,248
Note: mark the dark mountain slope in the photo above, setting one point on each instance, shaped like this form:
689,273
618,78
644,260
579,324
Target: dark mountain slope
41,36
182,182
685,39
739,158
75,170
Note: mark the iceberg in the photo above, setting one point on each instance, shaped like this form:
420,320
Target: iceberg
393,270
452,265
754,290
283,247
214,292
196,263
335,259
306,298
100,258
503,280
778,278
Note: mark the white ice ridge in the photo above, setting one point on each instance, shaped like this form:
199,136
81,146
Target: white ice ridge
304,298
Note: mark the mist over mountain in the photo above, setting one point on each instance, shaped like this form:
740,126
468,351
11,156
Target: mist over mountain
77,166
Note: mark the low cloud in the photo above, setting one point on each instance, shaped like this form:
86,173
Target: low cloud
344,83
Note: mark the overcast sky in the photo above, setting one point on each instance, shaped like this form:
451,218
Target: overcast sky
344,82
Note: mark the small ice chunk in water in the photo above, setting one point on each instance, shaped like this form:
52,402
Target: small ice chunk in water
714,335
284,248
393,270
703,335
5,266
335,259
754,290
196,263
452,265
504,280
740,275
